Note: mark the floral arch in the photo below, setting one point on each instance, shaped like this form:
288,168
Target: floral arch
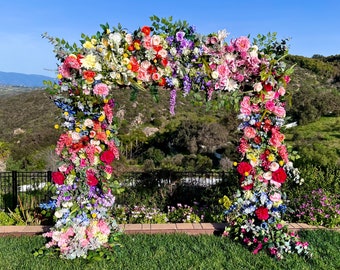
172,56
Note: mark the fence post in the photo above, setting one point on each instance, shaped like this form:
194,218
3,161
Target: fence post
49,176
14,189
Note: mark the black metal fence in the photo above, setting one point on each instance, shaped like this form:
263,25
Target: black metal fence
24,187
163,188
28,187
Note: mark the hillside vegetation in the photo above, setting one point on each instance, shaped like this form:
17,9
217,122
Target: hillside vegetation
194,139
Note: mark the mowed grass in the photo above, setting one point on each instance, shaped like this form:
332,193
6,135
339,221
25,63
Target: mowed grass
175,251
320,138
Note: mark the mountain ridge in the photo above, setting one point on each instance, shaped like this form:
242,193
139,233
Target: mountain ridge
22,79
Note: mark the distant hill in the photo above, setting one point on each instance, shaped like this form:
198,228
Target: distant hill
23,80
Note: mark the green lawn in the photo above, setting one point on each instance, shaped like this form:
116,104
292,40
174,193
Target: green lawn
175,251
318,142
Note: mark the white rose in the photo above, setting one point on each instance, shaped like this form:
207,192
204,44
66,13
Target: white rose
129,38
257,87
88,123
75,136
163,53
274,166
145,64
214,74
267,175
58,214
116,38
155,40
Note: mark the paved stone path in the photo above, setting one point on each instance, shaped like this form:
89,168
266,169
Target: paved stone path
188,228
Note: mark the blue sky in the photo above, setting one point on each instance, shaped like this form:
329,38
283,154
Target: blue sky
313,26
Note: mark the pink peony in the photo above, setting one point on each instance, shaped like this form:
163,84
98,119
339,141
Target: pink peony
242,44
245,106
279,111
101,89
276,197
249,132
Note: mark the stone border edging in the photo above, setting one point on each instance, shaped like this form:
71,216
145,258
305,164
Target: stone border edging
188,228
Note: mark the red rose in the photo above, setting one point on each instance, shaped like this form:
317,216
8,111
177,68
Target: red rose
162,82
91,178
107,157
279,175
268,87
244,168
262,213
58,178
146,30
164,62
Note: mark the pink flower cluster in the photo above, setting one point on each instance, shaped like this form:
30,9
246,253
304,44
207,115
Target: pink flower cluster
78,239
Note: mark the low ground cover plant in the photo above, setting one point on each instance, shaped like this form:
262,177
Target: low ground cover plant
316,208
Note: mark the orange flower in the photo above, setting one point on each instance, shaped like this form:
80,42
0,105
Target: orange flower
101,136
89,75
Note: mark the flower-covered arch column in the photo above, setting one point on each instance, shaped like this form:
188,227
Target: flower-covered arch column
173,57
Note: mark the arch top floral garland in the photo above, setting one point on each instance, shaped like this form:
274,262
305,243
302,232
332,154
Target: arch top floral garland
170,56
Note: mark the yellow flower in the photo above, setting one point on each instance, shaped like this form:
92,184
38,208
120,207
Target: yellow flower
93,41
277,204
59,76
56,126
82,155
88,45
106,100
101,118
89,61
78,129
66,113
281,162
94,215
252,157
246,173
108,132
271,157
248,194
235,163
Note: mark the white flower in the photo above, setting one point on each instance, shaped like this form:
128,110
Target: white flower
129,38
254,51
67,204
75,136
173,51
58,213
155,40
214,74
222,34
231,85
88,123
257,87
267,175
116,38
274,166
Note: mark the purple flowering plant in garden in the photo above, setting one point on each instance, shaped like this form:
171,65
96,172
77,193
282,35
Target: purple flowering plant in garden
317,208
